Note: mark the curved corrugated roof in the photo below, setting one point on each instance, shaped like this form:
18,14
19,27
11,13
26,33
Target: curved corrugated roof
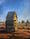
10,14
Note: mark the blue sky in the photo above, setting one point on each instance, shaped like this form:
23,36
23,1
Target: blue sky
22,8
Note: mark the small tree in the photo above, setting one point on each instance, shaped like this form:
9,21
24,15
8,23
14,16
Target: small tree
27,22
23,21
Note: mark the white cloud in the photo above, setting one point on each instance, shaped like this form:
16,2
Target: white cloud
2,1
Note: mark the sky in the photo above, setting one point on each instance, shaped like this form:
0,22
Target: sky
22,8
